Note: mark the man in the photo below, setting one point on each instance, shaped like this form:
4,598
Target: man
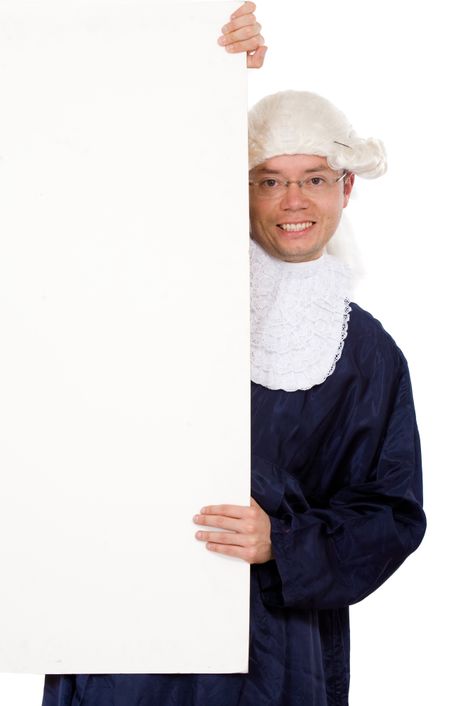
335,451
336,478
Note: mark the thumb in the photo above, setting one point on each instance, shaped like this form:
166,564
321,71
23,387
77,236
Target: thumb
256,60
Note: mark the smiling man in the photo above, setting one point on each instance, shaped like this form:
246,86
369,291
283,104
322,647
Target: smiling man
336,473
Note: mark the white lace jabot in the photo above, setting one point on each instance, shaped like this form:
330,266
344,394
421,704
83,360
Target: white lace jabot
299,318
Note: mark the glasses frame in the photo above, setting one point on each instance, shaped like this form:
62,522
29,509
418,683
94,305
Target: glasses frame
299,182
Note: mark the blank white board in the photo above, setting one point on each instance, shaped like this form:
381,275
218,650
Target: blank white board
124,375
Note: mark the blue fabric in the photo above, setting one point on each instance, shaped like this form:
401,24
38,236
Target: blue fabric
338,470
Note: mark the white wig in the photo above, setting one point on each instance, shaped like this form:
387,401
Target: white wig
299,122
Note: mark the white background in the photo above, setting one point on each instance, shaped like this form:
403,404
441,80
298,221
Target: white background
384,64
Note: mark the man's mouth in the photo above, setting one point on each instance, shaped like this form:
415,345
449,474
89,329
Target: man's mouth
295,227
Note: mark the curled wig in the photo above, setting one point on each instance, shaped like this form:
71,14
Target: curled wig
300,122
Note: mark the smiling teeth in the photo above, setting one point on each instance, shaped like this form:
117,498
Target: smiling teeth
292,227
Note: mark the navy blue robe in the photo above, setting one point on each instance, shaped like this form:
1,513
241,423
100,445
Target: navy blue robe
338,470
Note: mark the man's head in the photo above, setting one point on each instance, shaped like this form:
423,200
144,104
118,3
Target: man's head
301,137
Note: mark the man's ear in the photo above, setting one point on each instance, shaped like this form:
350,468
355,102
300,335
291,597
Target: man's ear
348,186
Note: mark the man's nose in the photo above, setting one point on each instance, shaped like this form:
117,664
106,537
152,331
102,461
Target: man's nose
294,198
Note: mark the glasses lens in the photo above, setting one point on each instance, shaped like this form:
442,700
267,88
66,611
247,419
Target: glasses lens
270,188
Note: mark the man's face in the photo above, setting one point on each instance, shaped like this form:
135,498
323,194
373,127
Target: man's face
295,226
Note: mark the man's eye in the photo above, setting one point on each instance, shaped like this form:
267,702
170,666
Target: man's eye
316,181
269,183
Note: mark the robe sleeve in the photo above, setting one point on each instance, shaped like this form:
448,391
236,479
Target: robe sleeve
333,556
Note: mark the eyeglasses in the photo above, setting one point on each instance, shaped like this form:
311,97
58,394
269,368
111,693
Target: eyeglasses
273,188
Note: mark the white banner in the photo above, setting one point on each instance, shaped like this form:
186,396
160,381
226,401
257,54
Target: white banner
124,374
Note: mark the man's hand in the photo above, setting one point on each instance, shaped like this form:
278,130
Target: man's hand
246,532
243,33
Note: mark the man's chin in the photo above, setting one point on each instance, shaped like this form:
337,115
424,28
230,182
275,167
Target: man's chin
297,253
292,250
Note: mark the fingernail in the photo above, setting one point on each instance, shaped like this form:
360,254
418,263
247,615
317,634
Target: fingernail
221,40
230,47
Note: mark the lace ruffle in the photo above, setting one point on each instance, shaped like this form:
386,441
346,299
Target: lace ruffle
299,319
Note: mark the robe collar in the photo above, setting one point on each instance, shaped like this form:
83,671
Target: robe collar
299,319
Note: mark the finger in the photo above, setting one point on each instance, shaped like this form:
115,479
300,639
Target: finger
240,35
219,521
237,511
245,553
256,59
248,45
239,540
246,9
239,23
